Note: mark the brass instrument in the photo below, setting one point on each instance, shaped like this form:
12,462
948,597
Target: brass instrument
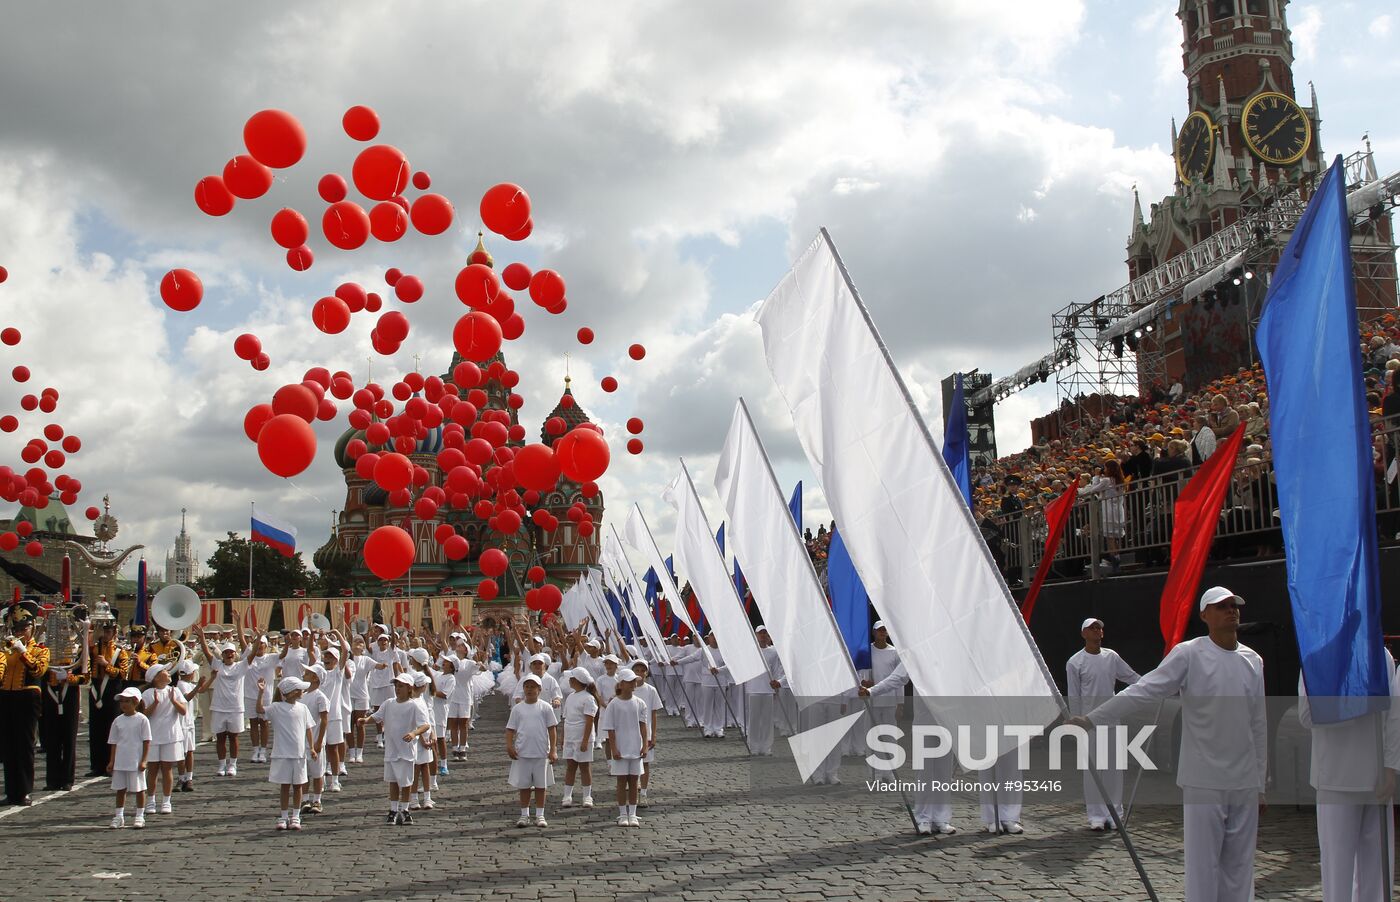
64,635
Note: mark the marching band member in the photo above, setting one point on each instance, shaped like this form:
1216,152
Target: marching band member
1092,675
109,664
139,659
62,699
25,662
129,744
164,707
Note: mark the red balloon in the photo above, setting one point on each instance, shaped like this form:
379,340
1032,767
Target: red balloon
583,455
364,465
635,425
380,172
636,352
508,522
547,288
353,295
286,445
432,214
387,221
245,177
274,138
393,471
24,527
421,181
254,420
609,384
634,446
331,187
532,599
300,258
8,423
373,303
345,225
393,326
516,276
409,289
523,232
33,549
477,336
493,562
455,548
425,509
585,336
389,552
289,228
247,346
477,286
212,196
181,290
550,598
443,532
54,459
71,444
92,513
261,361
487,589
360,123
331,315
535,574
297,400
505,208
536,467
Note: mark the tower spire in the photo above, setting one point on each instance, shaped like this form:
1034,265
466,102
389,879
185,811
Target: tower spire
1138,224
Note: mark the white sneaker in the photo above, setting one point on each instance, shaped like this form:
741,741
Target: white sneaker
379,741
294,823
946,829
140,820
165,807
923,828
343,772
233,770
281,823
644,802
624,821
414,805
541,822
634,821
990,828
566,803
118,821
523,822
428,805
1015,828
588,801
335,785
151,807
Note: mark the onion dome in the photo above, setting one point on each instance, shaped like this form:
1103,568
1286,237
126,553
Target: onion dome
572,414
374,494
341,460
481,254
431,443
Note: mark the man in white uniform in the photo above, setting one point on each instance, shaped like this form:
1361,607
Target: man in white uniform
1354,763
884,708
933,809
1224,747
758,709
691,662
713,710
1092,675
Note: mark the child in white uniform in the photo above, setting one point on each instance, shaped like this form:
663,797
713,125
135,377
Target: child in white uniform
359,700
423,752
404,722
320,707
190,687
164,706
291,724
644,690
580,713
625,722
443,685
532,743
130,742
226,707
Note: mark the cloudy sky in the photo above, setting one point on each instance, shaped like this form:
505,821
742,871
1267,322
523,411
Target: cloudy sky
973,161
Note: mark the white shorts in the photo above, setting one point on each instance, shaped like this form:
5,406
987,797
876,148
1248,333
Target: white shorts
378,695
316,767
226,722
459,710
287,771
359,702
167,752
573,754
531,773
649,757
250,704
129,780
190,740
627,767
335,732
439,722
400,771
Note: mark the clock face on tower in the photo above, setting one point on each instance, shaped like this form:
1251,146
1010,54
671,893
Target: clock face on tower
1276,128
1195,147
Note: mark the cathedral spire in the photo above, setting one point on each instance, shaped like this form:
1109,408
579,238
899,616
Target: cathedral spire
1220,176
1138,224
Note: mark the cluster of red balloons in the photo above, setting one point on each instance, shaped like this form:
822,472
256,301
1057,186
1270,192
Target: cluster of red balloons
249,347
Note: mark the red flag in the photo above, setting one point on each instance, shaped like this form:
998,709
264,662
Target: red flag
1197,515
1056,516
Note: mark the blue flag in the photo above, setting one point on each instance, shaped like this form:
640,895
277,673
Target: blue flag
795,505
140,616
719,538
741,586
849,603
955,450
1308,340
624,623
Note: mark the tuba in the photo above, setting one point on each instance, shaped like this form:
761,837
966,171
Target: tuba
175,608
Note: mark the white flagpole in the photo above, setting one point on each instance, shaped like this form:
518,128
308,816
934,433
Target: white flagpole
252,514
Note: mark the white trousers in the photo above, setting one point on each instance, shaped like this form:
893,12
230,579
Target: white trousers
735,714
814,715
789,711
759,711
692,703
1005,804
1349,837
673,698
931,805
712,710
1094,803
1220,828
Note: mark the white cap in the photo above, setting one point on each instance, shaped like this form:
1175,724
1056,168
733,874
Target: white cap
421,679
316,669
531,678
332,651
130,692
420,655
405,678
1089,622
878,625
592,643
152,672
227,647
188,666
625,675
613,658
760,629
539,639
582,675
292,684
1217,594
540,658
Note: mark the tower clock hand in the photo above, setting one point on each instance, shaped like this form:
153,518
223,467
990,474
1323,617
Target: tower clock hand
1273,131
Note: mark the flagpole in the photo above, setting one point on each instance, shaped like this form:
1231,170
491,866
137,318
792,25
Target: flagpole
252,515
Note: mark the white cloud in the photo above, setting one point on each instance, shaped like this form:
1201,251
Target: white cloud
1306,24
1380,27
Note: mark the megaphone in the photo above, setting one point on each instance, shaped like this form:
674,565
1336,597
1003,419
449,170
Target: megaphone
317,622
175,607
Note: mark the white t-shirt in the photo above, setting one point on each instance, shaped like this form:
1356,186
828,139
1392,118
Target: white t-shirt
1092,679
578,707
228,686
191,708
648,694
359,683
531,723
549,690
443,682
606,686
127,734
464,670
290,721
379,679
624,718
263,667
316,702
294,663
400,719
167,724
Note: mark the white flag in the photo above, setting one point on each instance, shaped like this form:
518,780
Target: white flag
778,568
638,535
909,532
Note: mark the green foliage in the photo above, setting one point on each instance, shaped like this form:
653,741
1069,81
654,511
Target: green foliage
274,576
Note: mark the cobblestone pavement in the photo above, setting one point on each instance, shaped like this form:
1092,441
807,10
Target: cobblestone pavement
707,836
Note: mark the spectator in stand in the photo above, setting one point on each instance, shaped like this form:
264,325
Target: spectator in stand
1139,464
1108,486
1390,405
1174,460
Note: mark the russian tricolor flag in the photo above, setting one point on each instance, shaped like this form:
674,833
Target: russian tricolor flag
282,536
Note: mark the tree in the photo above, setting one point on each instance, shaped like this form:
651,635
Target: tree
336,575
274,576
